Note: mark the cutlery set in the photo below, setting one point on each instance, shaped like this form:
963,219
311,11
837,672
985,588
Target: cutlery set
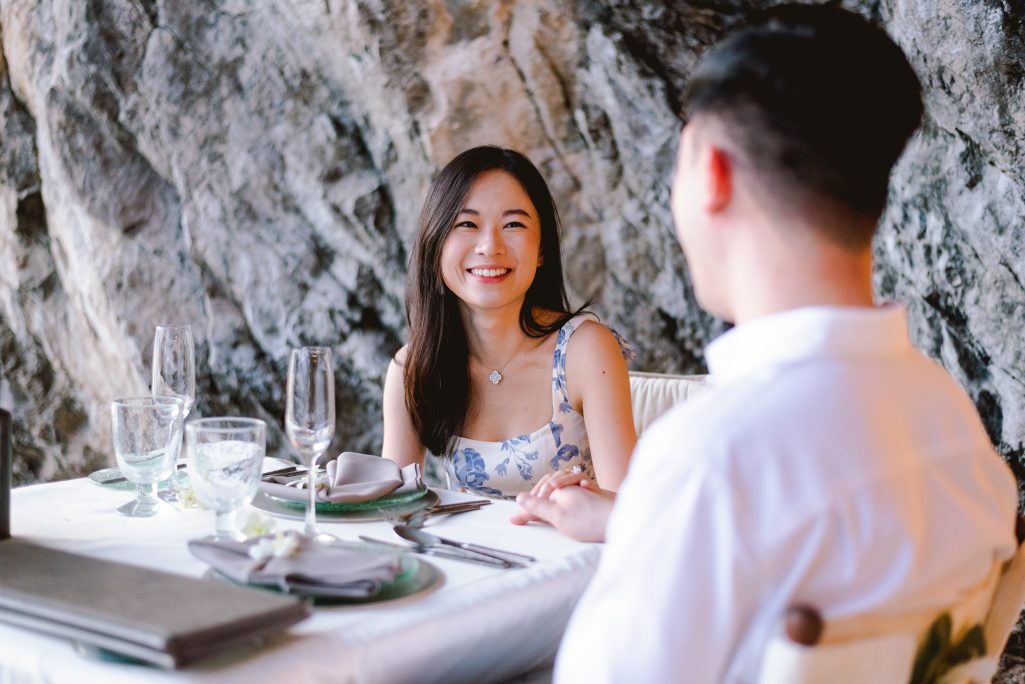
409,526
424,540
451,554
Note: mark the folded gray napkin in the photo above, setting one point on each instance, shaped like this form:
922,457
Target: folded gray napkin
351,478
317,570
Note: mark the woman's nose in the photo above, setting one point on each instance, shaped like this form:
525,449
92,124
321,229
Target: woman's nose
489,242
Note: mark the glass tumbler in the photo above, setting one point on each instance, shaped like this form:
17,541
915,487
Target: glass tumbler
225,457
147,434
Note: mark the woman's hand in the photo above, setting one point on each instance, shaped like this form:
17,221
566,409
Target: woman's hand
560,478
580,510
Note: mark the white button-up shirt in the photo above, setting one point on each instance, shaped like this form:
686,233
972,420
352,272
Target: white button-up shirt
832,465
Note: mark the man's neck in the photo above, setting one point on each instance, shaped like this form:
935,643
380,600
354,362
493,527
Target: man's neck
819,274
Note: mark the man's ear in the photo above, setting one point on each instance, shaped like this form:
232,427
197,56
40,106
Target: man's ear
718,179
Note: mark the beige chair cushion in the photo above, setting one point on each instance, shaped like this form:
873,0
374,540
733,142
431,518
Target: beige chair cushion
652,394
881,648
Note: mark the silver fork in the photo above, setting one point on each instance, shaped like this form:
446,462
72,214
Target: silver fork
417,518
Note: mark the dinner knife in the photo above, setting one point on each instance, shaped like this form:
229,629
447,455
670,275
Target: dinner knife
451,554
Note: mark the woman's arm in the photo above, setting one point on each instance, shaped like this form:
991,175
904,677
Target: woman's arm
401,442
599,387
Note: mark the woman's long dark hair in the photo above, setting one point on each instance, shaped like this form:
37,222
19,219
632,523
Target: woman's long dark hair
436,374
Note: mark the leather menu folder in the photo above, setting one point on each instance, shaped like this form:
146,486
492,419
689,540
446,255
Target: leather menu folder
6,466
161,618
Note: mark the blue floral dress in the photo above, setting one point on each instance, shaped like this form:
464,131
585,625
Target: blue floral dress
504,469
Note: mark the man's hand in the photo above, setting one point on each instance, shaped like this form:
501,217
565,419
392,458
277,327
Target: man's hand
580,511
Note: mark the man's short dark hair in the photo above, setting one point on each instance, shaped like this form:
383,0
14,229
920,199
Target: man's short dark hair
818,100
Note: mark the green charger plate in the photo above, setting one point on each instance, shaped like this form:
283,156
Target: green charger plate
372,505
368,511
102,478
416,576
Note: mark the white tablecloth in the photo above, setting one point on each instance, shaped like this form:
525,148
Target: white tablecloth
481,625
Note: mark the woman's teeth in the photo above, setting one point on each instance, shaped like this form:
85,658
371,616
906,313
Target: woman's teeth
488,272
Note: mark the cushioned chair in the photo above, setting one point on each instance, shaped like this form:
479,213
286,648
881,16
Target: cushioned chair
960,644
652,394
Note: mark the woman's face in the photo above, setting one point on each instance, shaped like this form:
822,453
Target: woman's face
494,249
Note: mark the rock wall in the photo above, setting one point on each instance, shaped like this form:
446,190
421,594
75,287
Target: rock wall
255,168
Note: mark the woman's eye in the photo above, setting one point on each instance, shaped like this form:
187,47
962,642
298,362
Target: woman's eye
514,224
466,224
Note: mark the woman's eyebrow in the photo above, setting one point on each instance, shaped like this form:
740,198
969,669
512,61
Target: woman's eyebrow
507,212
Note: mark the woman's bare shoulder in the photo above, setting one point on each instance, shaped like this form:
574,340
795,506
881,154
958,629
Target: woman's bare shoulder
595,336
593,346
400,356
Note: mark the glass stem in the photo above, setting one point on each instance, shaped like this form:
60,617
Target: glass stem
148,492
311,509
224,525
173,491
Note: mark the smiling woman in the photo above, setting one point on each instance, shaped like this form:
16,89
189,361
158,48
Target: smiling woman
500,378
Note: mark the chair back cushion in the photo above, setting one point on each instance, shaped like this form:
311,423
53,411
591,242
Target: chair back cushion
886,658
881,647
1008,600
652,394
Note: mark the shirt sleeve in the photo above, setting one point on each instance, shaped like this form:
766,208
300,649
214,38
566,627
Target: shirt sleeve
675,581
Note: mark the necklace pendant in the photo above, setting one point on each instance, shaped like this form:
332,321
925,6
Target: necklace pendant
495,377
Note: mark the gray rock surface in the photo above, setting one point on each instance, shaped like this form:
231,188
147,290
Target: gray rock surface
255,168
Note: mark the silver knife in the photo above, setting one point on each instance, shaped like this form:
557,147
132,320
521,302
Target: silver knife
451,554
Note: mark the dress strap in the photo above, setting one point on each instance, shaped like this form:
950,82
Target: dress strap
560,394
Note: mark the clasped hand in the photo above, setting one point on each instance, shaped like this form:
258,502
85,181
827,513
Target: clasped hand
571,502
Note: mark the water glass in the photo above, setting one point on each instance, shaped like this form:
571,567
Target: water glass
225,458
147,433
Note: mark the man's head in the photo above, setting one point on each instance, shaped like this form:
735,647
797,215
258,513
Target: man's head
803,111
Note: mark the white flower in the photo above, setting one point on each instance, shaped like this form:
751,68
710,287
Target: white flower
187,496
257,525
281,545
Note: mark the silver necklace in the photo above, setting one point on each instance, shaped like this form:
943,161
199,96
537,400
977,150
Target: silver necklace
495,376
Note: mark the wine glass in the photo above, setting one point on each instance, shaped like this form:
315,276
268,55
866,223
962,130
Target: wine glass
147,434
225,458
174,375
310,416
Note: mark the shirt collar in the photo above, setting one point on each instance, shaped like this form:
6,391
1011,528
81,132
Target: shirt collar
798,334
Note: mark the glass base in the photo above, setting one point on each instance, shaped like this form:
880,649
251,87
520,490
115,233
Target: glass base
322,538
226,526
169,495
144,508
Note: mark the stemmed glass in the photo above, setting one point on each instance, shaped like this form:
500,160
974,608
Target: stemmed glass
174,375
310,416
147,434
225,459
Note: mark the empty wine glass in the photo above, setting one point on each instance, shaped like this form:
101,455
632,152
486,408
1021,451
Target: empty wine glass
174,375
225,458
147,434
310,416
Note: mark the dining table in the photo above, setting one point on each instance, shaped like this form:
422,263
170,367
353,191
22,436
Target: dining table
475,622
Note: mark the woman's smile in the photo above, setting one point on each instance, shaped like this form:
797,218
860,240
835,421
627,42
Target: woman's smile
492,252
489,274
